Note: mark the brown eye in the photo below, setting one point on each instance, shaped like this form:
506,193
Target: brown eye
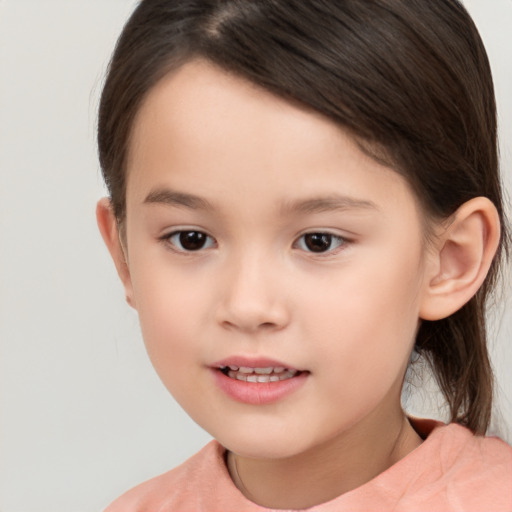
189,241
319,242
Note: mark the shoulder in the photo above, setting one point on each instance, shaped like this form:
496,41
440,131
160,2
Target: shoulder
472,472
455,443
463,447
182,488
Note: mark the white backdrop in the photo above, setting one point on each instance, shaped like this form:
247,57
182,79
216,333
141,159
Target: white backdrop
83,417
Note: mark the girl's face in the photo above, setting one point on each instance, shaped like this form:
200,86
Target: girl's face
260,237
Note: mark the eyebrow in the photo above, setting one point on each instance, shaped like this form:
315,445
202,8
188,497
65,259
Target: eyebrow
174,198
313,205
328,203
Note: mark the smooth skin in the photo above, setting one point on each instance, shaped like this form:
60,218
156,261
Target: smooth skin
224,184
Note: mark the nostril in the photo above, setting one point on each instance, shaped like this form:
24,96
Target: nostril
251,314
263,326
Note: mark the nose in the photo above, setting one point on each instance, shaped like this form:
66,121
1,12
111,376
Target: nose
253,298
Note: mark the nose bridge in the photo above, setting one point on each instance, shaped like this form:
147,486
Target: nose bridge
253,297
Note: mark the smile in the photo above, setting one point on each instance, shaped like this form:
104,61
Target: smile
257,380
261,375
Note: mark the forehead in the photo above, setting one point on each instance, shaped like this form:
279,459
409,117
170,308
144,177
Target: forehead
203,128
202,105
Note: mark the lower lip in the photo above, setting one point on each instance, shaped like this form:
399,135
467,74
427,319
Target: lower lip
258,393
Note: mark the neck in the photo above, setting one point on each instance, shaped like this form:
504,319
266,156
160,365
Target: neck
327,471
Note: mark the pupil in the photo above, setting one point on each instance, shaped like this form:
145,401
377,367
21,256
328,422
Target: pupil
318,242
192,240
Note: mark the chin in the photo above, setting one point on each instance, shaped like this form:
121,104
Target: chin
253,444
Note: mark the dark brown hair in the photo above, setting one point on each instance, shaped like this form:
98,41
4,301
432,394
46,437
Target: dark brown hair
410,79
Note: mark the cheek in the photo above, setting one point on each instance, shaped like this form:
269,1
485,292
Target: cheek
173,314
169,309
363,348
370,315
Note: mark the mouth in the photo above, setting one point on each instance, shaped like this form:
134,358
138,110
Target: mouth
257,380
259,374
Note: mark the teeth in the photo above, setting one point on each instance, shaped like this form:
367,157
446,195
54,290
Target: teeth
263,371
259,371
262,374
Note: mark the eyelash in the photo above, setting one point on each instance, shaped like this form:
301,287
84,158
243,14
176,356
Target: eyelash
301,243
322,237
177,235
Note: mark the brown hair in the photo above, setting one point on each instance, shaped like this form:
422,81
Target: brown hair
408,78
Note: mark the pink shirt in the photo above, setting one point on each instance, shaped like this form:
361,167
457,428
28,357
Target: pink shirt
452,470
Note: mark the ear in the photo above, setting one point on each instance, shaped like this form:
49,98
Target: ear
461,259
110,232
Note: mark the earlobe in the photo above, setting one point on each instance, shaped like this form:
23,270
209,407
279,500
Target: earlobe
108,227
462,258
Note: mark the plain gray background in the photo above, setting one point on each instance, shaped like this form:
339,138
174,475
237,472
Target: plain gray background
83,416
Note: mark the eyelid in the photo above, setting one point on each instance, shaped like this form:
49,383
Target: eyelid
343,242
166,239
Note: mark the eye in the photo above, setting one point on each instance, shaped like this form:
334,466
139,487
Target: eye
190,240
319,242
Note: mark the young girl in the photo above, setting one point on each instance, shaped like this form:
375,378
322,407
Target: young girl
303,192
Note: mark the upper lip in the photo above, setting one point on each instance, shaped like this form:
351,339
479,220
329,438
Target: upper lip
252,362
